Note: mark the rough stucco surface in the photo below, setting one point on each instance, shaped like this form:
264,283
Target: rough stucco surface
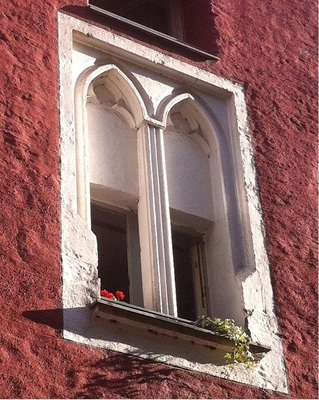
268,46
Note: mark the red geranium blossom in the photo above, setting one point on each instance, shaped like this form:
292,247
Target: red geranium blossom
108,295
120,295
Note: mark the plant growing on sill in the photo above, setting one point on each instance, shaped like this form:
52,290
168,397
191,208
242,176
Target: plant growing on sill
227,327
110,296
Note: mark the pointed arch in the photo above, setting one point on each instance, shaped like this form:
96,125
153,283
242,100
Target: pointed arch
197,113
214,198
127,104
201,128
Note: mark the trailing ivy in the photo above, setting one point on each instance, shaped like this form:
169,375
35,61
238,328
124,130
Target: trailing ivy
227,327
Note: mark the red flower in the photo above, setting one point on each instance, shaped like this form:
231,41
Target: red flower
108,295
120,295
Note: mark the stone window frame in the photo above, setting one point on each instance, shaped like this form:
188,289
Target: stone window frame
75,235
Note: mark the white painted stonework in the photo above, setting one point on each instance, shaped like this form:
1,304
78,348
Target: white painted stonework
145,132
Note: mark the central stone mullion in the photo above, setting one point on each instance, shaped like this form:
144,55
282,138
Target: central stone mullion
159,291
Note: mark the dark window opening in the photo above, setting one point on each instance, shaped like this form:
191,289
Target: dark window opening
189,24
153,14
111,231
189,282
150,15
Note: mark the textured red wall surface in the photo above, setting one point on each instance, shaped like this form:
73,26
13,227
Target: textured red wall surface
268,46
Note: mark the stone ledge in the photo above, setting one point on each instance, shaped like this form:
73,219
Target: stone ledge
154,322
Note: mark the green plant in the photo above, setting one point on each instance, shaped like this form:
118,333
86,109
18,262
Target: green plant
227,327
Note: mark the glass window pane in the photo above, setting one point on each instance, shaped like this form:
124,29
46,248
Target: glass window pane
183,250
110,230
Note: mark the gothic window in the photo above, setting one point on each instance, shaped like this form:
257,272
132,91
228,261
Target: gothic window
156,195
158,200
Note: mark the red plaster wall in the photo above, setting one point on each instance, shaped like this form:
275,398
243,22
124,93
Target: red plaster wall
269,46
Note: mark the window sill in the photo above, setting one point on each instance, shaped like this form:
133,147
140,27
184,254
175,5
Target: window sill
156,323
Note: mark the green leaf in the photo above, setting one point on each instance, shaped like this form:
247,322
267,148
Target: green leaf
236,333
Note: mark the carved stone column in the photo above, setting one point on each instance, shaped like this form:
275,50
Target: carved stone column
154,222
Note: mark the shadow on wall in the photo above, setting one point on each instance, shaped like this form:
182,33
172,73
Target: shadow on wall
74,319
117,374
122,375
52,318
